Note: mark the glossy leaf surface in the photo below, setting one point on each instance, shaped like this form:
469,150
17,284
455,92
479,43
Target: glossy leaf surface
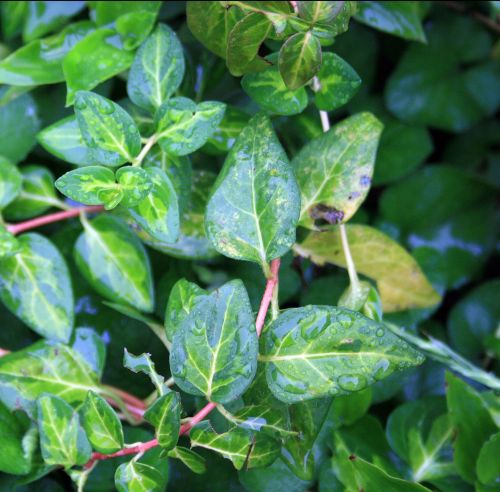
165,416
137,477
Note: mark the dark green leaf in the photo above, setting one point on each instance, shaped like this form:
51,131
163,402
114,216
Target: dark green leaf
334,171
398,18
93,60
138,477
338,82
158,212
35,285
335,351
12,18
214,350
299,59
10,182
115,263
106,125
254,207
157,70
239,445
102,425
487,463
143,363
192,460
165,415
184,297
182,126
62,440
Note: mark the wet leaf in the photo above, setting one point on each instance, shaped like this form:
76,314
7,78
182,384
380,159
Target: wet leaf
136,184
165,415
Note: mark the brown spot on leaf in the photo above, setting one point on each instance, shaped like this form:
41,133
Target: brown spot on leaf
329,214
352,457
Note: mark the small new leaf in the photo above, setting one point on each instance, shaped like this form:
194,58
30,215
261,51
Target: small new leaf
143,363
165,416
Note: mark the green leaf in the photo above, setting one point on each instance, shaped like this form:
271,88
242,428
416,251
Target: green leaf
334,171
143,363
165,415
62,440
455,86
254,206
18,438
348,409
96,58
10,182
86,184
157,70
12,18
211,24
269,91
225,135
115,263
184,297
214,351
9,244
64,140
338,82
400,281
299,59
472,423
45,17
242,447
102,425
138,477
364,298
194,461
420,432
91,347
487,462
35,285
40,62
335,351
182,126
106,125
107,12
158,212
36,196
44,367
398,18
243,43
135,183
323,11
20,124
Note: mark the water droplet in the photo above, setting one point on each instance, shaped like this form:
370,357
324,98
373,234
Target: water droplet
380,332
381,368
106,107
80,104
352,382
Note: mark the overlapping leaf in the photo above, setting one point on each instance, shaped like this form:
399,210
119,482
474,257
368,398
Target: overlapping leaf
165,416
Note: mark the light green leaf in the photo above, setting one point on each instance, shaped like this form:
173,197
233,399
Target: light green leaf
194,461
472,424
62,440
115,263
165,415
269,91
487,463
338,83
143,363
242,447
96,58
109,12
254,207
335,351
214,351
158,212
9,244
323,11
35,285
400,281
64,140
36,196
183,298
44,367
299,59
138,477
102,425
10,182
106,125
398,18
157,70
243,44
135,183
182,126
40,62
134,27
85,185
334,171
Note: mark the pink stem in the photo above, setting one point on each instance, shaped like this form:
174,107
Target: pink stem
261,317
49,219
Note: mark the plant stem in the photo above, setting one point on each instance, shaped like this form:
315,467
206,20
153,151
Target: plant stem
185,428
50,219
147,147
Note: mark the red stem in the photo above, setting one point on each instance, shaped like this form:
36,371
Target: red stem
261,317
50,218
